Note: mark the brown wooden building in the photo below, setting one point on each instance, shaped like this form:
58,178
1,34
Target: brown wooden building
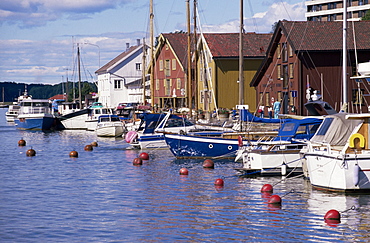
305,54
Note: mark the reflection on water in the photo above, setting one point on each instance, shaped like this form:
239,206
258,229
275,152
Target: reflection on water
101,196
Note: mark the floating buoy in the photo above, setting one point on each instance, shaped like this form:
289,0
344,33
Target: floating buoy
73,154
31,152
144,156
94,144
267,188
274,199
88,147
208,163
21,142
332,215
219,182
137,161
184,171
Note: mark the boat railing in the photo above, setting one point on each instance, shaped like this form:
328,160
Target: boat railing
35,110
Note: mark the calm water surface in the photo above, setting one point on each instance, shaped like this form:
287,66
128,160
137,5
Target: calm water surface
101,197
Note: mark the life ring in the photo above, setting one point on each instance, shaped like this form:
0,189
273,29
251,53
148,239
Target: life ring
131,136
352,140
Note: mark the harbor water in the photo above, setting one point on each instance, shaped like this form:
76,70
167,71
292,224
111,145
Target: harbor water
102,197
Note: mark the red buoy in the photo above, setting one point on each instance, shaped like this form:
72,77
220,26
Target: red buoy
184,171
31,153
73,154
88,147
208,163
21,143
267,188
275,199
94,144
137,161
219,182
144,156
332,215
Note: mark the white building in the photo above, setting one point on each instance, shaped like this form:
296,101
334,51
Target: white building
120,80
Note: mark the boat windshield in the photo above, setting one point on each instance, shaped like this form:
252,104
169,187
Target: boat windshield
325,126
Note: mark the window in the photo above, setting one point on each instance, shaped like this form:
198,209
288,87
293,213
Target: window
178,83
278,51
279,96
267,99
117,84
290,50
138,66
261,98
201,100
160,65
173,64
285,52
291,70
285,76
157,84
278,69
291,99
167,83
168,68
325,126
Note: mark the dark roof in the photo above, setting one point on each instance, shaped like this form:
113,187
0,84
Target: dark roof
325,35
112,62
179,44
226,45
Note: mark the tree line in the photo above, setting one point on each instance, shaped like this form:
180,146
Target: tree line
10,91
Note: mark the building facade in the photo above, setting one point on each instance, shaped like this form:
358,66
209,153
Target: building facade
332,10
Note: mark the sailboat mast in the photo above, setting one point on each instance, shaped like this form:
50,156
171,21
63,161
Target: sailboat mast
189,93
344,68
195,56
152,88
143,71
79,76
241,64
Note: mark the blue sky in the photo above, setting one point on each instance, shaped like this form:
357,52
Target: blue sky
39,37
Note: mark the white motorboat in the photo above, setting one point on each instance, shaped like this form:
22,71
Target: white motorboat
109,126
12,113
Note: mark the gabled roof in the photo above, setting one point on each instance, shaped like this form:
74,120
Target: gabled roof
226,45
325,35
315,36
112,63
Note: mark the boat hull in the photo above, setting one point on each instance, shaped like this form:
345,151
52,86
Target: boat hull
110,130
75,120
184,146
147,141
35,122
330,171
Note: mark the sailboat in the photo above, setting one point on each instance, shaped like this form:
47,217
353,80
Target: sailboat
338,155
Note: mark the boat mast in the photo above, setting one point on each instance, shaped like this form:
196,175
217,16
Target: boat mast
152,88
143,72
344,67
79,77
241,64
189,91
195,56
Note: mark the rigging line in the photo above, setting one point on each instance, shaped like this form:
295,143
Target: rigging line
252,14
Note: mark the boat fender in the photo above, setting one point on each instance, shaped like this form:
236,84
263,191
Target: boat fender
356,174
240,141
283,169
131,136
352,140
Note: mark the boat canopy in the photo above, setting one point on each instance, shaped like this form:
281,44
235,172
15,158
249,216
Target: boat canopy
150,121
335,129
298,128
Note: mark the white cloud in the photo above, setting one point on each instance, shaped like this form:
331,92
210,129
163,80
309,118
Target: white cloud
262,22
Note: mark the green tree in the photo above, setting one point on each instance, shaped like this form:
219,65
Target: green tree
367,16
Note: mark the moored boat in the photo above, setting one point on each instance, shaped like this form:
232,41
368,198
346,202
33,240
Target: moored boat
109,126
35,114
12,113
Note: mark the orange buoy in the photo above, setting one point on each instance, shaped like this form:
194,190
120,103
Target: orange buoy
21,142
219,182
332,215
31,153
184,171
267,188
274,199
137,161
88,147
144,156
208,163
94,144
73,154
